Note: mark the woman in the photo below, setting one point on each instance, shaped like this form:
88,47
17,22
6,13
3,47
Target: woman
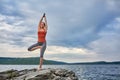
41,44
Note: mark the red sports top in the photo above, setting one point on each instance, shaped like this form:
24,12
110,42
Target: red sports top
41,36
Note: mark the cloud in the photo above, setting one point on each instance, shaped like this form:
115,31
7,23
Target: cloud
113,5
83,19
69,54
107,46
58,53
14,31
83,23
66,50
73,27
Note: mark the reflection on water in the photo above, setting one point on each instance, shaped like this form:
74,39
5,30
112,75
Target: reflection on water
84,72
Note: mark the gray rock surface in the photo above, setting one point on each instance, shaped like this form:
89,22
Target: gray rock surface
34,74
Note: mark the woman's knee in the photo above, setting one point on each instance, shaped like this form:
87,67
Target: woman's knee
29,49
42,52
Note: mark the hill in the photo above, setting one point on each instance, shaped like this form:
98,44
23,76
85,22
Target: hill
31,60
35,60
98,62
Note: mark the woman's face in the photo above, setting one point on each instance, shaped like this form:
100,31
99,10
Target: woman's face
42,24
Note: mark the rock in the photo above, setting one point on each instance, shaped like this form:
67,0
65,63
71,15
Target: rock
8,74
34,74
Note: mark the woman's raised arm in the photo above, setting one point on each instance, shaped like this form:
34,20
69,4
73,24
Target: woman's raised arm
41,19
40,22
46,22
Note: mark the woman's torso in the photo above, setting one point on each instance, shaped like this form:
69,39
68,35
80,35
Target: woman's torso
42,35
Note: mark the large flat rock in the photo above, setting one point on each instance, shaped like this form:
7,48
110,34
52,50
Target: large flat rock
34,74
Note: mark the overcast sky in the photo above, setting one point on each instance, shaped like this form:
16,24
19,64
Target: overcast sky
78,30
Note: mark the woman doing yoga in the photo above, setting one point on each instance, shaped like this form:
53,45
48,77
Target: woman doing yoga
41,43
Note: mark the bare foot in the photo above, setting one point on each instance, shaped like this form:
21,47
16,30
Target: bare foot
39,69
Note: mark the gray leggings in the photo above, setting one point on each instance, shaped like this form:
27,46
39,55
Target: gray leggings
39,44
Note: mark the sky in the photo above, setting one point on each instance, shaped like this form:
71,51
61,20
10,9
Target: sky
78,31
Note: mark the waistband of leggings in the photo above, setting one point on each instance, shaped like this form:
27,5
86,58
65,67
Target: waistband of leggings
42,42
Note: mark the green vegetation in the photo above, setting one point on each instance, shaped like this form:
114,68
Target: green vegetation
32,60
35,61
98,62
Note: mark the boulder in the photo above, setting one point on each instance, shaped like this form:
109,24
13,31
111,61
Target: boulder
34,74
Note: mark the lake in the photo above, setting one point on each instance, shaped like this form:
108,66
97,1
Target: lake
84,72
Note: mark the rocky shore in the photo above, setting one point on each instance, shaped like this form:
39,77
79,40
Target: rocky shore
34,74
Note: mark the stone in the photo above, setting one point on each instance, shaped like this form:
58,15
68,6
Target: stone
34,74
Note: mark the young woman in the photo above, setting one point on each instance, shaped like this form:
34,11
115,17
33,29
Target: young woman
41,44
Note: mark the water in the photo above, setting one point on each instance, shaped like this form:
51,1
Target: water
84,72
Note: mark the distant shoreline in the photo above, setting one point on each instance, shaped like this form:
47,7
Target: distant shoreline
35,61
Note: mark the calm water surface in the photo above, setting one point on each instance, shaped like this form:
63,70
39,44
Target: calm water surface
84,72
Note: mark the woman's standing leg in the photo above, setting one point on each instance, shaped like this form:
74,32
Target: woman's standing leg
43,48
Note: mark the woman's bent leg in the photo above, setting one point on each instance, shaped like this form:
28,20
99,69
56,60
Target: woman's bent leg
34,47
